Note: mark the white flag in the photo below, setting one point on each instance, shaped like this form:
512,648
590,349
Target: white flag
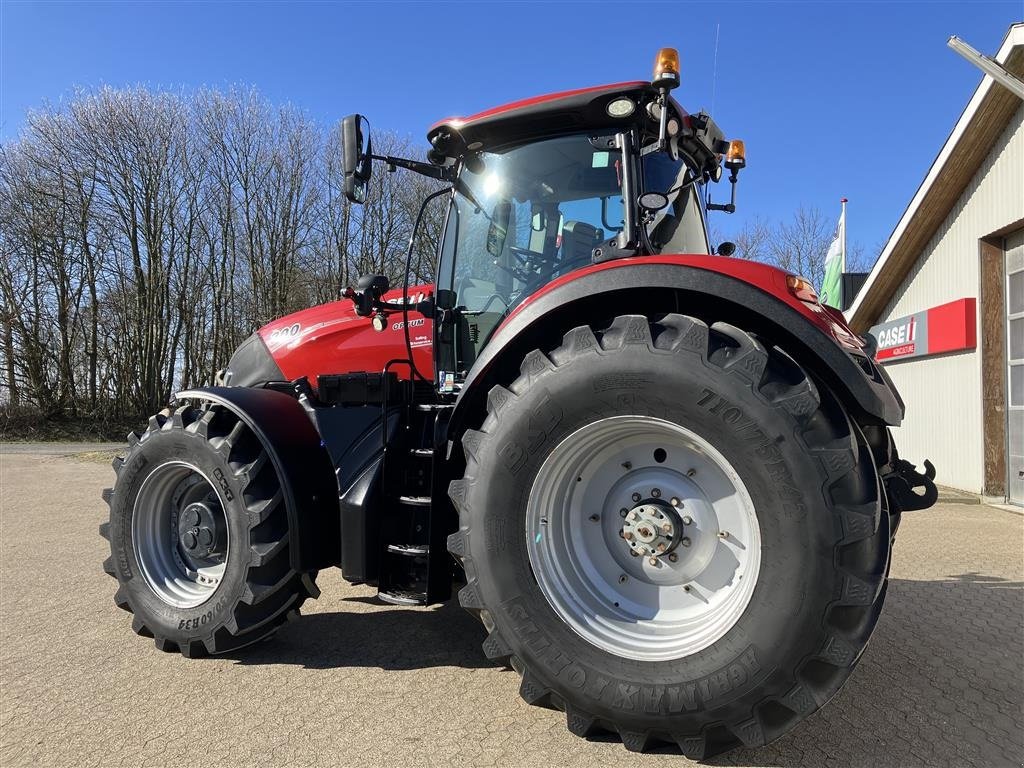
835,265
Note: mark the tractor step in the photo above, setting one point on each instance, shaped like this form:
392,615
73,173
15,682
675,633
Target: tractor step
409,550
414,566
403,598
416,501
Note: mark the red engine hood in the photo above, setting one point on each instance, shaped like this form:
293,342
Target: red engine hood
332,338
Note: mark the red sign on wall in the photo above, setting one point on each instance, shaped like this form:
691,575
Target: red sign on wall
946,328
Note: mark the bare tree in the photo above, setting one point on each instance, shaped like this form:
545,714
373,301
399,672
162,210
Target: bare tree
144,234
751,240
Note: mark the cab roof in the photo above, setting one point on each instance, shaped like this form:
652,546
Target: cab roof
583,109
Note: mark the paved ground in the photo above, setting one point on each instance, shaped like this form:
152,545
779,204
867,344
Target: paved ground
356,683
56,449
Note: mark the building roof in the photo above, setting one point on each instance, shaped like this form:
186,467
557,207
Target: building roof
982,122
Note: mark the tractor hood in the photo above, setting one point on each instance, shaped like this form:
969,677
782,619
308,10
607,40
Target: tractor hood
330,339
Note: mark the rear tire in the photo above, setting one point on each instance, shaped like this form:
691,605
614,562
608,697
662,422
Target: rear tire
203,462
824,541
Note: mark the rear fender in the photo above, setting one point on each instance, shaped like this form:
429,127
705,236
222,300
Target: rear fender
822,345
302,465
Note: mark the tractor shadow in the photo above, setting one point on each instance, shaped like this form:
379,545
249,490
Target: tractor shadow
379,635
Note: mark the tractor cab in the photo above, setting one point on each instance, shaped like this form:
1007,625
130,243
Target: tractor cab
543,187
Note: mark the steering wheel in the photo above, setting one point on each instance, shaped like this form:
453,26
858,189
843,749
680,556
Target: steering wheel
524,255
525,270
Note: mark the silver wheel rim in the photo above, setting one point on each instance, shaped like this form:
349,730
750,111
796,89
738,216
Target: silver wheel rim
170,544
659,485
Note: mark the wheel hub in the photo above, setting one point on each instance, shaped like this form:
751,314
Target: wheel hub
652,529
199,531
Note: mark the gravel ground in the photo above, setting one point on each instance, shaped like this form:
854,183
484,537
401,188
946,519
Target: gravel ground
354,682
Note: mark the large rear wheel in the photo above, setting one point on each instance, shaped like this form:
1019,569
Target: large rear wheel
198,534
672,533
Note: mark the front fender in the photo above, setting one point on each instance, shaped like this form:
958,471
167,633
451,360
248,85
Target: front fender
293,445
753,296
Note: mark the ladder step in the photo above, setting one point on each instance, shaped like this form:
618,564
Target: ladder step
425,452
412,550
416,501
401,597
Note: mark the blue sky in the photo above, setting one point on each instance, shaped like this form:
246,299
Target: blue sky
832,99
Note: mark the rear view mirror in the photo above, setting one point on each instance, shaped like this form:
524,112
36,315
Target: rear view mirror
356,149
498,230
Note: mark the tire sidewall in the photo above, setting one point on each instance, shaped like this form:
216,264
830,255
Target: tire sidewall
782,624
153,450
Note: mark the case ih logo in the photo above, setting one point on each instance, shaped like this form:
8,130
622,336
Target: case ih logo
946,328
898,339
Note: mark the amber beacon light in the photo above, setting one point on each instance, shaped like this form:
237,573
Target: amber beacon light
666,68
736,157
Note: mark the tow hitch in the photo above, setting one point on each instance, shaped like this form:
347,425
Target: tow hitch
904,479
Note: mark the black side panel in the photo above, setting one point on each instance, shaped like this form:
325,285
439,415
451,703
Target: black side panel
302,464
360,526
354,438
253,364
661,288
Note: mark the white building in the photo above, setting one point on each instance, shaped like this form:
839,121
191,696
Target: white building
946,298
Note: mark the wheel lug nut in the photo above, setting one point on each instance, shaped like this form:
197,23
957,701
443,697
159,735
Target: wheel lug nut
723,534
686,588
673,557
623,512
685,541
627,536
661,547
653,561
656,493
675,501
623,578
666,528
687,520
634,553
636,497
594,518
691,472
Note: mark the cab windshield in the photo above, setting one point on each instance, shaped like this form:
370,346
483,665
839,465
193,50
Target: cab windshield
523,217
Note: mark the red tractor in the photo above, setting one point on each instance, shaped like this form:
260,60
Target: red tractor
664,476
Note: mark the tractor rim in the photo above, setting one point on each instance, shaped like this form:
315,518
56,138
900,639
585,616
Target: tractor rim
180,534
643,538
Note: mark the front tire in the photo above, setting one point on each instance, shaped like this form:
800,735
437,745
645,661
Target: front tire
198,535
800,478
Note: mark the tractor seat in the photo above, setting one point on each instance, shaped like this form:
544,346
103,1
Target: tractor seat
579,240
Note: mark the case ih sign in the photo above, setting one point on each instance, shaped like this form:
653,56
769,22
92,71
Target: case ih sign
946,328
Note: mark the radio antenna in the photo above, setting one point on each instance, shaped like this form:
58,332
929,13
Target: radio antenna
714,69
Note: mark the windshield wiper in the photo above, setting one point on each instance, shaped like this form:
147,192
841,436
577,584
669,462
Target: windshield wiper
463,188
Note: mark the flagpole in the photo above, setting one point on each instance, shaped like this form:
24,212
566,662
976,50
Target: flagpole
843,201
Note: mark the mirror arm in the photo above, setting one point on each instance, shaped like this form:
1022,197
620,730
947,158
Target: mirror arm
443,173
